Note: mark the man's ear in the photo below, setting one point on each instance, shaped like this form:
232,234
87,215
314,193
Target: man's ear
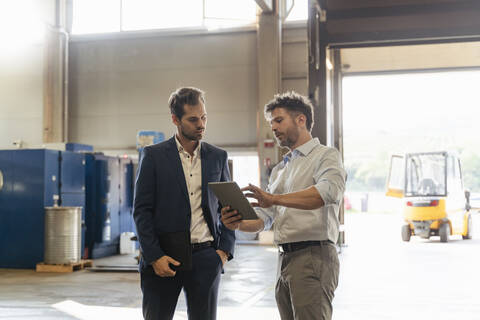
301,120
175,120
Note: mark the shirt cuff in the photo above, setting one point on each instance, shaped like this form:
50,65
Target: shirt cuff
323,189
267,219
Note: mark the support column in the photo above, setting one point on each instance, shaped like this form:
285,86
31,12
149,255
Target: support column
317,75
55,88
269,35
337,103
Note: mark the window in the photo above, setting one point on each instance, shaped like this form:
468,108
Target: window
225,13
91,16
299,10
21,25
426,175
397,173
154,14
454,176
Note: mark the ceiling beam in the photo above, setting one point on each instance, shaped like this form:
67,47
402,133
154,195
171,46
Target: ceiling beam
265,5
403,21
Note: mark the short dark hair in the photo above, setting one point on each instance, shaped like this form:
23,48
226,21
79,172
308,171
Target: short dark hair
182,96
295,104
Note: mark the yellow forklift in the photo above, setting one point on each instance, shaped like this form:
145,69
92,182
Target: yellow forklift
434,200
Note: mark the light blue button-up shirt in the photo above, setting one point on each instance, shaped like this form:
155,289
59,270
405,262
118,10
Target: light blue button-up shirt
311,164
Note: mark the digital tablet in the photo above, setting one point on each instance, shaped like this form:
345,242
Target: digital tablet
229,194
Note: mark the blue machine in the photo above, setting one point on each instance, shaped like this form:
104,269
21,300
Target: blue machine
72,185
32,179
78,147
126,195
148,137
109,198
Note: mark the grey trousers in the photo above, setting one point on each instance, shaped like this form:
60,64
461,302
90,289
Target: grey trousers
306,282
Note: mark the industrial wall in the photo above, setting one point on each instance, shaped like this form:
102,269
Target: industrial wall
21,95
294,59
21,77
121,85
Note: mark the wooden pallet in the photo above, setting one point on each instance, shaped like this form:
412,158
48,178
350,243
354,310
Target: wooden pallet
82,264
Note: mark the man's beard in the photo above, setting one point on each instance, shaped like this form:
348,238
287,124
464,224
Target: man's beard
190,136
291,137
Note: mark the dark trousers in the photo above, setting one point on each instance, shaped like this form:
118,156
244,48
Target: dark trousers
160,294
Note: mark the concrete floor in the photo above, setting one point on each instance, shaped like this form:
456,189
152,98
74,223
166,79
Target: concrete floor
381,278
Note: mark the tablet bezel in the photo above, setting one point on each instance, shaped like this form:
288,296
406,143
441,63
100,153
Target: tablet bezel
229,194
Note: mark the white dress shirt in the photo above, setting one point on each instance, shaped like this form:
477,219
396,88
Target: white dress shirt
192,169
311,164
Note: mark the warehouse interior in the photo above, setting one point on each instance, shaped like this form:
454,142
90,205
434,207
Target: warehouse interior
84,87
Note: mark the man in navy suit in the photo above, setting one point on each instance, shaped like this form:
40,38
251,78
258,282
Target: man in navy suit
172,195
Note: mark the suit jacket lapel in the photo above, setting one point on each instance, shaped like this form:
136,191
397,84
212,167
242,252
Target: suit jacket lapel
176,164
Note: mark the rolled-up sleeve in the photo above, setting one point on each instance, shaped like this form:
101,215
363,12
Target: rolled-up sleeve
330,177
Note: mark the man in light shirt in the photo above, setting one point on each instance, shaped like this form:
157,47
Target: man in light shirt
171,198
302,201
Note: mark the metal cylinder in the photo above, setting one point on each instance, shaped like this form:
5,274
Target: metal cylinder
63,236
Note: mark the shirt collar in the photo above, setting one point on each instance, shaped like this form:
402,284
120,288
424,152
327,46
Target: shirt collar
304,149
307,147
182,149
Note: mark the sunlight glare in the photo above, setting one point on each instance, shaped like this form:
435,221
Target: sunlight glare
20,25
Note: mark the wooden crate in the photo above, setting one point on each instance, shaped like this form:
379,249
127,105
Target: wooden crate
82,264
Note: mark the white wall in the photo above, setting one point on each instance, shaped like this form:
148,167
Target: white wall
21,95
119,86
21,71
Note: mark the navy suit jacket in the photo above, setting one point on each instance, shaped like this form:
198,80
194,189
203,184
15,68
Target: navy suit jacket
162,203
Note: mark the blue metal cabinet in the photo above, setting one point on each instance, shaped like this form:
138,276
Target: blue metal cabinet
33,178
30,184
72,185
102,185
103,205
72,172
78,147
90,202
126,195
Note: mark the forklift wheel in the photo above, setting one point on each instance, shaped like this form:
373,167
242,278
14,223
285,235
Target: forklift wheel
469,229
444,232
406,233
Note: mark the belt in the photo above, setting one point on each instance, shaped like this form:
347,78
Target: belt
201,245
295,246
